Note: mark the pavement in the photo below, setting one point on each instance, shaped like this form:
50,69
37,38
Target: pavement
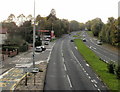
13,70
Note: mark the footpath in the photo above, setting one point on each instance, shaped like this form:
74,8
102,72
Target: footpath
21,81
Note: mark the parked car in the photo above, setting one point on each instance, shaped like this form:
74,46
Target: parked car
99,42
46,43
43,48
38,49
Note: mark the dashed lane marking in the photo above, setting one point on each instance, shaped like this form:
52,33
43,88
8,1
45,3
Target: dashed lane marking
65,67
89,77
69,81
95,85
99,90
87,64
76,48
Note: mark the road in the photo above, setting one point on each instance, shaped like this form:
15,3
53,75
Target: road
67,69
105,53
17,65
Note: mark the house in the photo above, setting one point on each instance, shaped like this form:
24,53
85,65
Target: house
3,35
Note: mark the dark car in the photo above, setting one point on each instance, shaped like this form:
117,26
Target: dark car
71,40
84,40
46,43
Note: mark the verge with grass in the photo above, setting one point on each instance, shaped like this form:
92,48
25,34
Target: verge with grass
97,65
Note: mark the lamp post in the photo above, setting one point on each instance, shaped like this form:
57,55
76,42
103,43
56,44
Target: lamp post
34,38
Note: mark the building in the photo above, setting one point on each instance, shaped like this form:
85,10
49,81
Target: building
3,35
46,34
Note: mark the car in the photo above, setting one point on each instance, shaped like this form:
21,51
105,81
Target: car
71,40
38,49
99,42
47,39
84,40
43,48
46,43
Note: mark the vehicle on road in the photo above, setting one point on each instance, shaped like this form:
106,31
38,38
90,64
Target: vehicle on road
99,42
84,40
71,41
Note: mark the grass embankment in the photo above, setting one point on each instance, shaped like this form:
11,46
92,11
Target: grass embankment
98,66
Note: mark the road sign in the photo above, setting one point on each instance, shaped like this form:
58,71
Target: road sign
31,70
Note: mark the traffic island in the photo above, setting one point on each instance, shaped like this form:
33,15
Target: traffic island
33,82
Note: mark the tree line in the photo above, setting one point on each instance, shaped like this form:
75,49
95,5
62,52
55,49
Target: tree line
20,28
108,33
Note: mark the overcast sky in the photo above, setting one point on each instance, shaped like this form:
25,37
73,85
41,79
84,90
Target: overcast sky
80,10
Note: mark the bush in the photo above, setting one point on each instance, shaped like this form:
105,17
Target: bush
24,47
111,67
10,48
38,43
117,70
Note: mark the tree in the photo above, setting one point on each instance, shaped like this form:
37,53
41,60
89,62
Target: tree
74,25
21,19
29,17
11,18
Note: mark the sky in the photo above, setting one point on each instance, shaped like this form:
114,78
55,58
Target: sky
79,10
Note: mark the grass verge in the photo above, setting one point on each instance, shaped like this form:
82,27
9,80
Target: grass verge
98,66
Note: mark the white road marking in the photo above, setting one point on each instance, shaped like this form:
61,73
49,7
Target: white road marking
50,54
65,67
76,48
63,59
89,77
94,81
95,85
1,76
87,64
69,81
86,73
99,90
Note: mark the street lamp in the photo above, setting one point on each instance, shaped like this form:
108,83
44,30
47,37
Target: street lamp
34,38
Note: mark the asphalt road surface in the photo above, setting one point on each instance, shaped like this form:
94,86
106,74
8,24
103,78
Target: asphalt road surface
105,53
67,70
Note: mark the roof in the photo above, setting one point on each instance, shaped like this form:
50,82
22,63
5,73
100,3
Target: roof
43,31
3,31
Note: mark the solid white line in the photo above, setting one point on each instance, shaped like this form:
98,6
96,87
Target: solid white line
75,57
69,81
50,54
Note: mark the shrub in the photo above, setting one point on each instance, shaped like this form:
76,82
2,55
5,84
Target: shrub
24,47
38,43
111,67
117,70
